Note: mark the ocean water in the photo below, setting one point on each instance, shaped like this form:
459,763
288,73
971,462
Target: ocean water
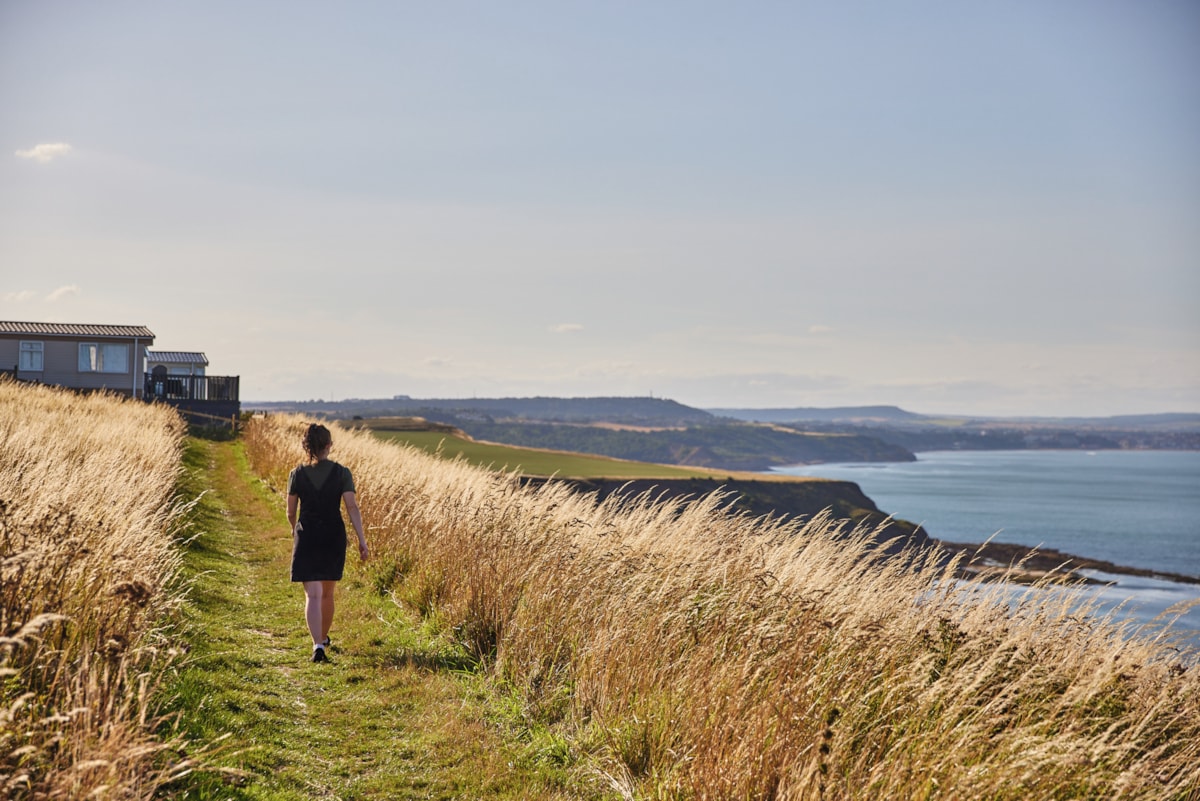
1132,508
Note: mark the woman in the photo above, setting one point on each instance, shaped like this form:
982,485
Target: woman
319,489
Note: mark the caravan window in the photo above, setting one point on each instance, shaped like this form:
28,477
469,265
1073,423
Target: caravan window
32,357
103,358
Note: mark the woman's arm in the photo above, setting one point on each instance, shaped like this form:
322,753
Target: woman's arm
292,501
351,501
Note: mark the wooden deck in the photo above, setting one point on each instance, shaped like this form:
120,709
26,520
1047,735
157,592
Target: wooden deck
204,400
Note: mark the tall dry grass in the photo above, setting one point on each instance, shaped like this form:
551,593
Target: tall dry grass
87,558
700,654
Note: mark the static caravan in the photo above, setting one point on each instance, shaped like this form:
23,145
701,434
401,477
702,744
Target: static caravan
175,362
176,375
77,355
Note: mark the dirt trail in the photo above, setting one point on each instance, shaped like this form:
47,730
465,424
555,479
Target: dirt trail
390,716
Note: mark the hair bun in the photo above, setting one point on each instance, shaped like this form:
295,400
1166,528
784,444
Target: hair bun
316,440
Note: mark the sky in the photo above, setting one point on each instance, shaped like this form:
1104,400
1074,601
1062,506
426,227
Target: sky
956,208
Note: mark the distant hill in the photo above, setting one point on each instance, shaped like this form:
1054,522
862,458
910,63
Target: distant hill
649,411
736,438
885,416
624,411
1150,422
726,446
838,414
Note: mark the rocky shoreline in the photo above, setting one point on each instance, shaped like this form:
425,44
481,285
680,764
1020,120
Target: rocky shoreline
805,498
993,558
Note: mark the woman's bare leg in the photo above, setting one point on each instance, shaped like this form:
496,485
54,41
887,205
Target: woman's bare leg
314,606
326,608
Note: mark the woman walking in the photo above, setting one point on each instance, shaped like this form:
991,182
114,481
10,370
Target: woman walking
317,491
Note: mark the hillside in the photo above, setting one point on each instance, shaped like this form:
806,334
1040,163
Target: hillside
772,495
917,432
1011,435
677,651
525,640
842,414
732,446
716,446
756,494
763,498
873,433
626,411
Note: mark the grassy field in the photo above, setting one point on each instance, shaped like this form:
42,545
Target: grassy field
89,557
507,642
681,652
533,462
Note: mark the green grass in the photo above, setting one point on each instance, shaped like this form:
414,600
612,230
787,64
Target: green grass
400,712
535,462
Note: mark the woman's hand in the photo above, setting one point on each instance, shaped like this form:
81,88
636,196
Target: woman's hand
363,551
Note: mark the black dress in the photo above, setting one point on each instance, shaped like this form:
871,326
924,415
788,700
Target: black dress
319,551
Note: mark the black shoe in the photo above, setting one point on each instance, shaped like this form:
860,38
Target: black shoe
319,654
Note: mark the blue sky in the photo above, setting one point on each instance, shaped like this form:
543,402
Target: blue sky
970,208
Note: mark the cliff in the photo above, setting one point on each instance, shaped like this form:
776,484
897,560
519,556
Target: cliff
804,499
738,446
777,498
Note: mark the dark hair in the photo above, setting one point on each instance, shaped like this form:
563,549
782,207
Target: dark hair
316,440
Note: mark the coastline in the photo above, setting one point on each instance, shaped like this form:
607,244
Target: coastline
991,559
806,498
1064,512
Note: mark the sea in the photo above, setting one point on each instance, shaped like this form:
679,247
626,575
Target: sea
1132,508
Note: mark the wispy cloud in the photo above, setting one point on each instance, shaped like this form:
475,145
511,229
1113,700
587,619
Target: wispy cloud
45,153
820,329
62,292
566,328
18,297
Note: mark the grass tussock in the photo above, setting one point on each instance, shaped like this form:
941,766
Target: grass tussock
694,654
87,561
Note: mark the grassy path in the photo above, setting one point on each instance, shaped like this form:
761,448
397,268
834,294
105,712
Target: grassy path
393,715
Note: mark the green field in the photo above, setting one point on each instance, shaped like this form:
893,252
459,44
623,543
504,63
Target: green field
534,462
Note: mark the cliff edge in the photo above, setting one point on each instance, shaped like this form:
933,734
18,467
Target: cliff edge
776,498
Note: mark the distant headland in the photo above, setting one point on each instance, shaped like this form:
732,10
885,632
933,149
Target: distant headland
666,431
745,441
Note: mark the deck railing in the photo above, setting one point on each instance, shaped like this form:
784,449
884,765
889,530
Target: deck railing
192,387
